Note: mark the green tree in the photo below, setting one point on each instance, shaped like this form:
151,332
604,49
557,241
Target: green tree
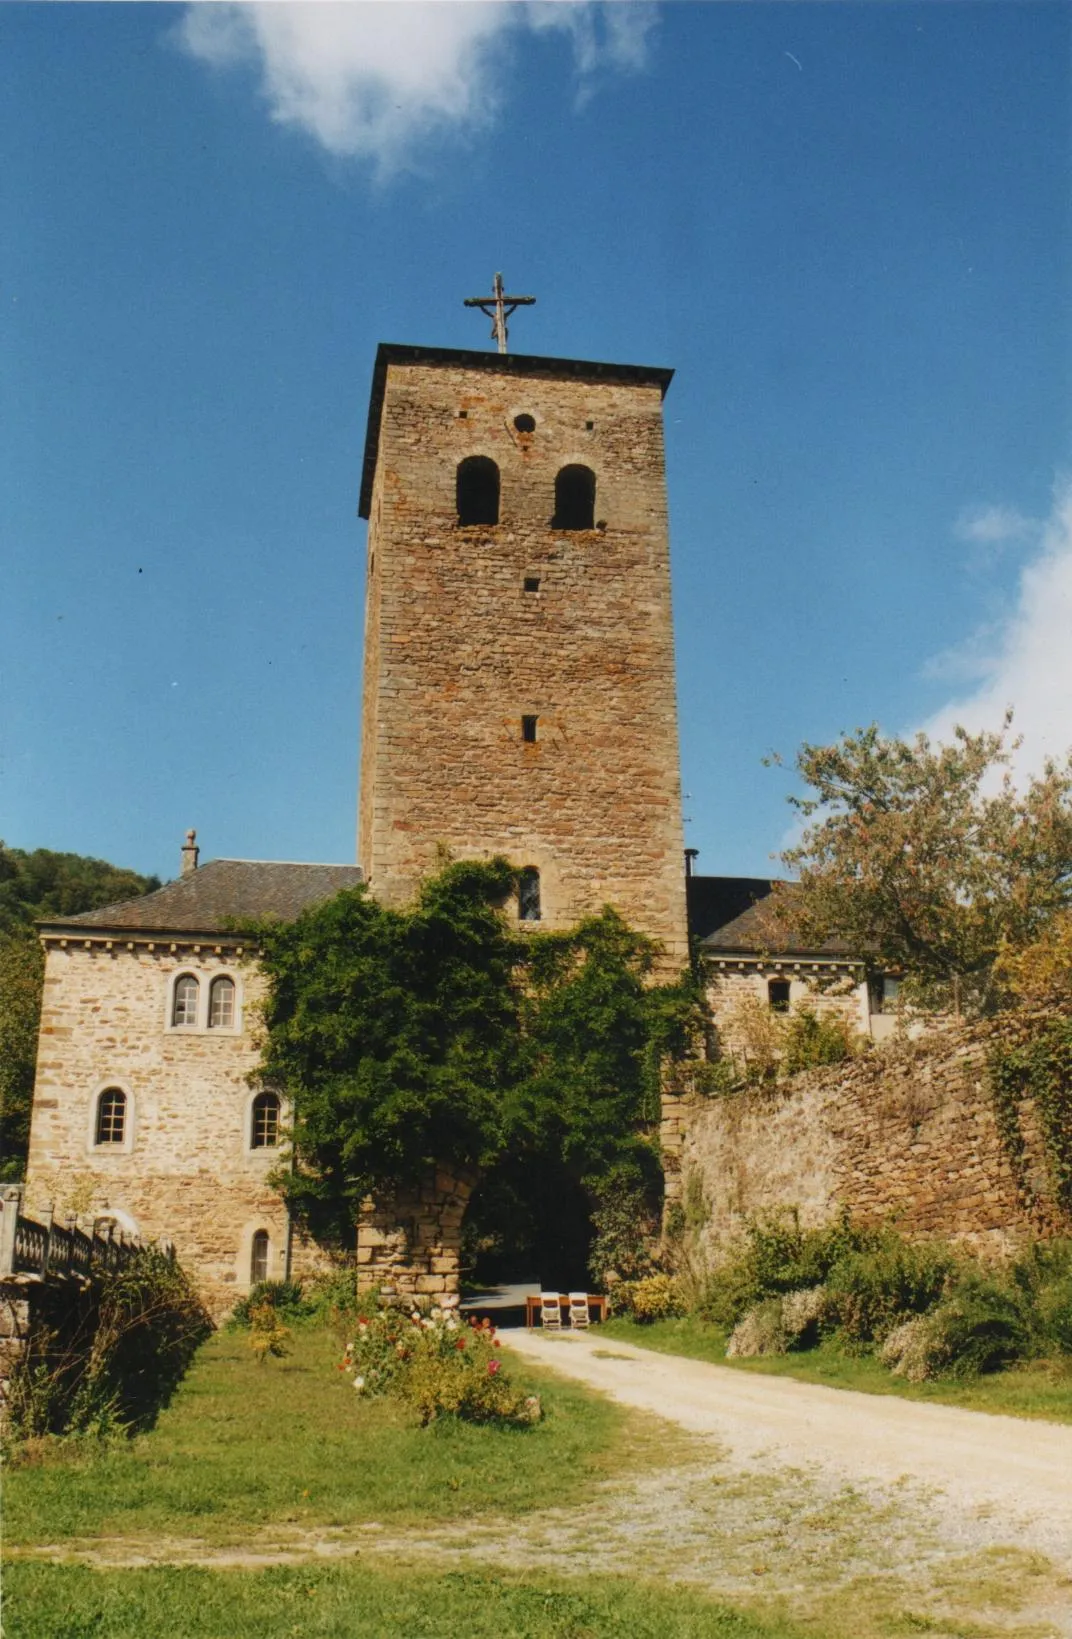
439,1033
926,856
34,886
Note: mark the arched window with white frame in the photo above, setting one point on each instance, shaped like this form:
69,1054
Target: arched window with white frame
264,1122
184,1002
110,1126
221,1003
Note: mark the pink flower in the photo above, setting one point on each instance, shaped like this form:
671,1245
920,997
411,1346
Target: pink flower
493,1367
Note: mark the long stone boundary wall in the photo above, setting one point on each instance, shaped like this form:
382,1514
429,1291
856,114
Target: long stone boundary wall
907,1133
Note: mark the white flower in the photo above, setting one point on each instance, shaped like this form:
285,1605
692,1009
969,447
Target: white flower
359,1383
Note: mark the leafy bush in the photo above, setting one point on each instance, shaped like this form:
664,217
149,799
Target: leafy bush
779,1325
873,1290
813,1038
761,1331
267,1334
774,1256
1043,1276
656,1297
625,1223
979,1327
428,1358
120,1358
286,1298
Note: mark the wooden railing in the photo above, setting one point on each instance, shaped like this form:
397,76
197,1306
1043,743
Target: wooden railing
47,1248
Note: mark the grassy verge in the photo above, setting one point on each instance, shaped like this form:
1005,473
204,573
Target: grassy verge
246,1446
355,1602
1038,1389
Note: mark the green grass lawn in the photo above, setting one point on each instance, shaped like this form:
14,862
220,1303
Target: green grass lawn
245,1446
356,1602
1040,1388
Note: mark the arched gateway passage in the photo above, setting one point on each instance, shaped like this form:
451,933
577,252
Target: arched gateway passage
527,1220
524,1220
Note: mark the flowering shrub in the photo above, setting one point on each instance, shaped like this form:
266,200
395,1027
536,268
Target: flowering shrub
267,1334
656,1297
436,1363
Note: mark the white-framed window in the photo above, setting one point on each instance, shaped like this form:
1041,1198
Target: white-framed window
110,1124
221,1003
205,1001
185,1001
264,1122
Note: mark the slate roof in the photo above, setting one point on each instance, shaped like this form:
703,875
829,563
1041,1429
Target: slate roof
512,364
730,913
219,894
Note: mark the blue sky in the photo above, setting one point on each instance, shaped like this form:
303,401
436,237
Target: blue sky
846,226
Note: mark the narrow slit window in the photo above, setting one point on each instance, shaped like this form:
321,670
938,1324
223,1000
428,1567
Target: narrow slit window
575,498
264,1131
528,730
478,491
528,895
111,1116
221,1000
258,1258
184,1007
778,995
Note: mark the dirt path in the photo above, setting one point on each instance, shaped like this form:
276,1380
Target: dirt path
979,1463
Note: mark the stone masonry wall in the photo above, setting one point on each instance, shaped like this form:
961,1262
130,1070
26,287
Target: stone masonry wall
409,1242
187,1172
906,1133
457,651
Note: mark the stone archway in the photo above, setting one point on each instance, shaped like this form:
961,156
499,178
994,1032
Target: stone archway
409,1240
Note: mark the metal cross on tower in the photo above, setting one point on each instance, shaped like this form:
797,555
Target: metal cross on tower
498,308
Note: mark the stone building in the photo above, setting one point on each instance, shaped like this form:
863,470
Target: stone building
518,700
143,1113
750,950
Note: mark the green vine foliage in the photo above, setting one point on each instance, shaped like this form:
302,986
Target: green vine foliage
1042,1070
437,1033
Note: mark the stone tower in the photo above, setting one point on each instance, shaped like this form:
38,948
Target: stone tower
519,668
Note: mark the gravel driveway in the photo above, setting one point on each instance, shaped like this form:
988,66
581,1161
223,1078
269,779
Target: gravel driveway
977,1460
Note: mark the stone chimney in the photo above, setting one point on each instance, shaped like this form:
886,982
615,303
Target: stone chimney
190,851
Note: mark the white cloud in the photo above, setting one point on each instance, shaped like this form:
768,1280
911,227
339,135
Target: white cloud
1025,660
994,525
374,80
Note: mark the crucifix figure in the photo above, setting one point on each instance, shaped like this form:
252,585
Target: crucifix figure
498,308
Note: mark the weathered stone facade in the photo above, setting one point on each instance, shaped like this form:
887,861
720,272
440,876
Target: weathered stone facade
906,1133
186,1170
409,1241
458,651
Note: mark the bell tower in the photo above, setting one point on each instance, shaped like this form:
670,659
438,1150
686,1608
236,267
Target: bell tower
519,668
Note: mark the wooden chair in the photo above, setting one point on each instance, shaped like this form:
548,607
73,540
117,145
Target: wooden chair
550,1312
578,1310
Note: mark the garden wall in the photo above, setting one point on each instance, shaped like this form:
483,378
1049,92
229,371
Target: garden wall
907,1132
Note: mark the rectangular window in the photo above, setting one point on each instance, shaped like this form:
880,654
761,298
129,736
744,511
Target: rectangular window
532,583
885,992
528,730
778,995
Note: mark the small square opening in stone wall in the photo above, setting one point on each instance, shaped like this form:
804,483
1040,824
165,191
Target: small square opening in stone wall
532,583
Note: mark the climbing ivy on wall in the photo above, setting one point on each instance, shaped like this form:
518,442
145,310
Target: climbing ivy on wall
438,1033
1040,1069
